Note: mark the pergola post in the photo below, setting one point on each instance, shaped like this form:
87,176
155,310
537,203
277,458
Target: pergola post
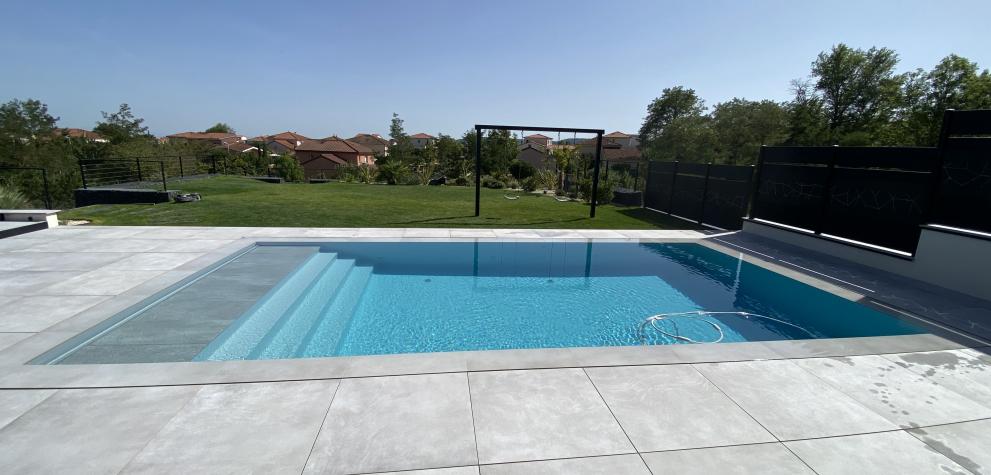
595,173
478,170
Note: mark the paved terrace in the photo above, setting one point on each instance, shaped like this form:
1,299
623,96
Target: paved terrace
904,404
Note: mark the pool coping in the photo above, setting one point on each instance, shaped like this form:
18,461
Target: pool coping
18,375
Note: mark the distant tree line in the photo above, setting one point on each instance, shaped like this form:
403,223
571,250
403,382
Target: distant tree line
851,97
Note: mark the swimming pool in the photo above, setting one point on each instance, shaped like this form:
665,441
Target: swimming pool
300,300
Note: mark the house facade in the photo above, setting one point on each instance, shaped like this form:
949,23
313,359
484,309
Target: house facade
421,140
623,140
378,144
283,143
323,158
538,139
215,138
536,155
84,134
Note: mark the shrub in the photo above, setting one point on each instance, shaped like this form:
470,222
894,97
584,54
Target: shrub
546,179
520,169
605,191
12,199
512,183
289,169
392,172
492,182
529,184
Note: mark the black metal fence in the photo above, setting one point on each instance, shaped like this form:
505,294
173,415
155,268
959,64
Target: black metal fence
872,195
146,172
963,179
876,195
711,194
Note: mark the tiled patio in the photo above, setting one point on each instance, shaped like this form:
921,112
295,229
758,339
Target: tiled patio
908,404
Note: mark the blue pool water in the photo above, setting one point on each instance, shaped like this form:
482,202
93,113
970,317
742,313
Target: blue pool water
411,297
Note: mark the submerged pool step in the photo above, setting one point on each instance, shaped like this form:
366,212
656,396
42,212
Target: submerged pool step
305,313
324,338
243,336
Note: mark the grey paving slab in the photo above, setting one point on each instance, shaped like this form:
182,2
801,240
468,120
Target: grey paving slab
966,443
742,351
11,244
437,471
240,428
27,282
14,403
541,414
894,453
763,459
32,345
396,423
903,397
154,261
674,407
100,282
94,245
860,346
191,245
59,261
34,314
88,430
790,402
10,339
608,465
958,370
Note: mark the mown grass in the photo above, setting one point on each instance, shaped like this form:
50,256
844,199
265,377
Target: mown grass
230,201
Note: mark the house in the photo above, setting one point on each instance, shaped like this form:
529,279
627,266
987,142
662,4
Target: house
539,139
375,142
621,139
536,155
421,140
283,143
215,138
84,134
238,147
322,158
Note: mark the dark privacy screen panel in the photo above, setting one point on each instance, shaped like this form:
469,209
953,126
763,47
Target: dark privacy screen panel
711,194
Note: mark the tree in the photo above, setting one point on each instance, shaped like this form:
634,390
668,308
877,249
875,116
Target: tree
954,83
121,126
425,163
451,156
741,127
807,124
499,148
289,169
859,89
26,120
221,128
401,149
674,103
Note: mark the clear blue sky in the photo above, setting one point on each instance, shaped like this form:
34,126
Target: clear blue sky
324,68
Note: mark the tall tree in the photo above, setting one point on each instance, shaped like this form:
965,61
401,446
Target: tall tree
674,103
221,128
121,126
499,148
26,120
741,127
859,90
954,83
401,148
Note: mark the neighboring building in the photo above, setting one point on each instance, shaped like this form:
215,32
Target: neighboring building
375,142
421,140
280,144
536,155
239,147
216,138
84,134
539,139
621,139
322,158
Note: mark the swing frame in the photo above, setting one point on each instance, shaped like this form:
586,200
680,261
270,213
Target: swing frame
478,156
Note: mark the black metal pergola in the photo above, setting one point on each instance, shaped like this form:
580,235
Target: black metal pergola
478,156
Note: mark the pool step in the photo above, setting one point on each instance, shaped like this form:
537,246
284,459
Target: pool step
287,334
324,337
241,337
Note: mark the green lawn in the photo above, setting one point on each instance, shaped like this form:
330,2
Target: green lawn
229,201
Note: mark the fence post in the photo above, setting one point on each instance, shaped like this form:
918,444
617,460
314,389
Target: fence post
213,165
705,190
82,173
755,185
138,160
936,177
827,192
48,196
161,167
674,181
181,175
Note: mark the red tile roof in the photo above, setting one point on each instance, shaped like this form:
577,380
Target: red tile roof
422,135
205,136
536,136
81,134
333,145
617,135
333,158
